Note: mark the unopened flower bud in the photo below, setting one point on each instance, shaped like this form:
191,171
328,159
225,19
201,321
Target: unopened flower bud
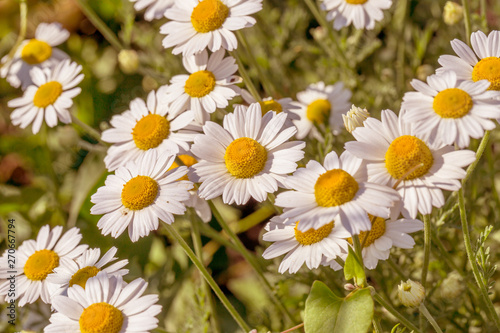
453,13
411,293
128,61
452,287
355,118
349,286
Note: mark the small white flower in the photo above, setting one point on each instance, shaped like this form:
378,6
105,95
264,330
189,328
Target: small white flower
355,118
361,13
267,104
155,9
411,293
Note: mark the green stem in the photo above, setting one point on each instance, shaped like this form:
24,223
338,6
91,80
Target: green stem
393,311
480,150
293,328
429,317
357,249
246,78
465,4
23,14
427,248
90,131
376,326
484,21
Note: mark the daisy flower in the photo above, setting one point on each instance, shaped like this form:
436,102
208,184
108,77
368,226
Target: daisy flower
37,52
278,105
200,24
210,85
106,304
338,191
321,105
362,13
155,9
451,111
49,97
391,148
147,126
139,194
36,259
248,157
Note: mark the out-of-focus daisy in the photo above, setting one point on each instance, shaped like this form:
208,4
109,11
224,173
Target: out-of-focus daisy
391,149
151,126
36,259
200,24
482,62
49,97
36,52
248,157
139,194
107,304
321,105
338,191
277,105
449,111
210,85
155,9
361,13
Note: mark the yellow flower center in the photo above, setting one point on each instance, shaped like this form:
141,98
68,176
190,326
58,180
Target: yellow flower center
356,2
452,103
488,69
334,188
82,275
47,94
377,231
40,264
209,15
139,192
101,318
36,52
405,153
188,161
200,84
318,111
245,157
312,236
270,105
150,131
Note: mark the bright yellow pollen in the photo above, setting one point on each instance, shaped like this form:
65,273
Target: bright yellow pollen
312,236
452,103
139,192
101,318
200,84
245,157
40,264
377,231
334,188
406,152
82,275
356,2
270,105
488,69
209,15
150,131
36,52
318,111
47,94
188,161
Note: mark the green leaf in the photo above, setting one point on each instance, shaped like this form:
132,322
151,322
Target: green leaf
353,269
327,313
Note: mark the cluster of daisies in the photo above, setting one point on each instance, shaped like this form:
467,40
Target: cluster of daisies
86,291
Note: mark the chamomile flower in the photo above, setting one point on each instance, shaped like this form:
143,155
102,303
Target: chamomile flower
209,86
321,105
49,97
450,111
391,149
36,52
36,259
338,191
248,157
361,13
107,304
147,126
139,194
200,24
155,9
277,105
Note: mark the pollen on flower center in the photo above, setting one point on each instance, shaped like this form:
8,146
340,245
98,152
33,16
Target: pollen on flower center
312,236
36,51
139,192
200,84
47,94
245,157
188,161
318,111
377,231
488,69
209,15
40,264
452,103
356,2
101,318
406,152
150,131
334,188
270,105
82,275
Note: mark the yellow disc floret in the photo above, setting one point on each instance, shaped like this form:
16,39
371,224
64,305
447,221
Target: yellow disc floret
150,131
245,157
488,69
407,152
188,161
200,84
318,111
47,94
40,264
36,52
82,275
334,188
377,231
101,318
209,15
452,103
312,236
270,105
139,192
356,2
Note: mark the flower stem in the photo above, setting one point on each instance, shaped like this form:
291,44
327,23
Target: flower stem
23,14
427,248
393,311
90,131
357,249
293,328
429,317
465,4
246,78
480,150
